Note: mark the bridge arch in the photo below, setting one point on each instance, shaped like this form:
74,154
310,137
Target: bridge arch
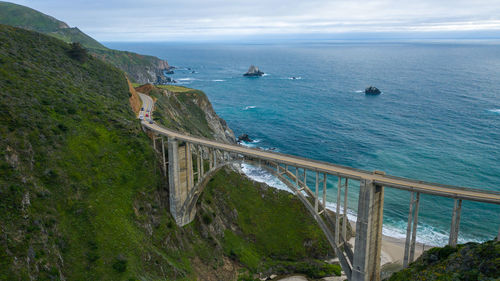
218,159
364,263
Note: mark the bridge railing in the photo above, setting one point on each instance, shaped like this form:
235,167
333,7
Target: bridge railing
364,263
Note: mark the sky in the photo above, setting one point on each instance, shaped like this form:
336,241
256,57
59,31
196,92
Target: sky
171,20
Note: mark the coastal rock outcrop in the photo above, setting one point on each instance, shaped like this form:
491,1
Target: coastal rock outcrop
244,138
372,91
253,71
163,80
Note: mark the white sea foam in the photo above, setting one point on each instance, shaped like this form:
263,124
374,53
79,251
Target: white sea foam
186,79
427,234
260,175
359,91
495,110
249,107
218,80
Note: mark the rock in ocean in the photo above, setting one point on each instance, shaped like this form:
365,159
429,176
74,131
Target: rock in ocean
253,71
372,91
244,138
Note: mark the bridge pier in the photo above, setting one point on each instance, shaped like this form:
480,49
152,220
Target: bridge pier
455,223
368,245
180,180
411,230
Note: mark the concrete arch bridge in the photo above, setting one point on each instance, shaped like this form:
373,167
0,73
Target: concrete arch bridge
191,161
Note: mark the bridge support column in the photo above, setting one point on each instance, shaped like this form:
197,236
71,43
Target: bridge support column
411,231
179,184
164,157
173,175
189,166
366,265
455,223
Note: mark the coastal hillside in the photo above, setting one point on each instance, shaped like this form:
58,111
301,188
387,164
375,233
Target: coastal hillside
82,196
187,110
140,68
471,261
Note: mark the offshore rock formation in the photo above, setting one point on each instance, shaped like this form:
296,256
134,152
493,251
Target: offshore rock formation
245,138
164,80
372,91
253,71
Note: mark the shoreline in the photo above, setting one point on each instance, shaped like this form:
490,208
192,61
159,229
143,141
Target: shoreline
393,248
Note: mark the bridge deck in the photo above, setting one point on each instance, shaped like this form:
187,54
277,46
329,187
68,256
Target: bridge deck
346,172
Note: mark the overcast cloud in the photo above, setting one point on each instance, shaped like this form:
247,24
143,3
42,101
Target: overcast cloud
164,20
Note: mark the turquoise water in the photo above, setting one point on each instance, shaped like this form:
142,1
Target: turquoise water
438,118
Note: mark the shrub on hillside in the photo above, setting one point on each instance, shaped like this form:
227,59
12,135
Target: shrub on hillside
77,52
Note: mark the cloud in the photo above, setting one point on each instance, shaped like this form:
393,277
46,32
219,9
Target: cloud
159,20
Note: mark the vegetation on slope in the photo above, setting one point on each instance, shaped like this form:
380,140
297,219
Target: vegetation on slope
265,229
27,18
471,261
140,68
82,198
187,110
72,162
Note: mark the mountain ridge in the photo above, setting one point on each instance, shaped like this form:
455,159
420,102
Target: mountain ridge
140,68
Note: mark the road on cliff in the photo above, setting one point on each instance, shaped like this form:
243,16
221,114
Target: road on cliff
378,178
147,107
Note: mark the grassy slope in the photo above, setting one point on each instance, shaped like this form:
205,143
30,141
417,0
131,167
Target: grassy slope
133,64
179,109
24,17
71,146
271,231
81,196
471,261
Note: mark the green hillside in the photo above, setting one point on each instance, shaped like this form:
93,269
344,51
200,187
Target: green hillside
471,261
27,18
139,68
82,196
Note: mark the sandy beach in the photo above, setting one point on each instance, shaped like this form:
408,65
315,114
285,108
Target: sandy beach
393,249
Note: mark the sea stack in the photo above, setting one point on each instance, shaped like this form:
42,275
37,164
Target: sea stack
253,71
372,91
244,138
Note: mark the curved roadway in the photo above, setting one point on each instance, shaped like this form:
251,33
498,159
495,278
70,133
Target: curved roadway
325,167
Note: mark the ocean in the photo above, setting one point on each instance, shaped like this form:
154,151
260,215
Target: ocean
437,119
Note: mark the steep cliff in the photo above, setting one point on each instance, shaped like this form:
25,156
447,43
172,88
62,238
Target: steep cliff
187,110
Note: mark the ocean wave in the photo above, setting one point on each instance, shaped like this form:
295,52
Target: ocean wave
186,79
359,91
427,234
218,80
249,107
261,175
495,110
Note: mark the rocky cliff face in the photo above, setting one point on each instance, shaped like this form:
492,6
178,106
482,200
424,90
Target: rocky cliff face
187,110
139,68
